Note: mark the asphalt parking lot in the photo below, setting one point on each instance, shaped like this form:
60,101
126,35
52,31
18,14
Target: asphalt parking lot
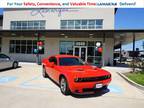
25,87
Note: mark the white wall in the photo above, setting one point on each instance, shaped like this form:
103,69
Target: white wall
108,46
53,19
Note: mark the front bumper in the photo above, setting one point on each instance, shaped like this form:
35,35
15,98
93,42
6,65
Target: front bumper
83,87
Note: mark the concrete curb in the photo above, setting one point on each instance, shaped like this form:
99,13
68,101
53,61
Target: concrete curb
131,82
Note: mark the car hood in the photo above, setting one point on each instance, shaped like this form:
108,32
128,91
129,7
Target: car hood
83,71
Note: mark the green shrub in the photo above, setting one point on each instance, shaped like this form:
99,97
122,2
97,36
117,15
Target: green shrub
137,63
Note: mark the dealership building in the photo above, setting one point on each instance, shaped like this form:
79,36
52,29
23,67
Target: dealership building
85,32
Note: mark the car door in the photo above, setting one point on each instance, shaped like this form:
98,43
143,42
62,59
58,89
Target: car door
48,67
54,72
5,61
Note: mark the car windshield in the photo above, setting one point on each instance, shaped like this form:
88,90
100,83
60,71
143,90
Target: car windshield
70,61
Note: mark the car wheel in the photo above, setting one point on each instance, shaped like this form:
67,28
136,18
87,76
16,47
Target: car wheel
15,65
64,86
45,75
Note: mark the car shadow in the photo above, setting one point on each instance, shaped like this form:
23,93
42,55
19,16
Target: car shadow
4,70
53,81
97,93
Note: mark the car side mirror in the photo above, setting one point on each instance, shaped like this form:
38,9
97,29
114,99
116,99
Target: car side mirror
52,64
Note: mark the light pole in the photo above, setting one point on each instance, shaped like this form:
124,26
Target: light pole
133,51
103,48
143,45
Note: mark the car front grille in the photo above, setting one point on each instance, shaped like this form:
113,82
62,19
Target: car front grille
92,79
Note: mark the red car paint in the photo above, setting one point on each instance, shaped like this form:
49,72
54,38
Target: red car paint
73,72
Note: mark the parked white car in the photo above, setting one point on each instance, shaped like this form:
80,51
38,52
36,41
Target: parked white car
7,62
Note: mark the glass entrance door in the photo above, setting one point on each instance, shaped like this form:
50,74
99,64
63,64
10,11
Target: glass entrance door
80,51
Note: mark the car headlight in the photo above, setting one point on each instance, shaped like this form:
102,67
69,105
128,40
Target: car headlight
109,76
78,79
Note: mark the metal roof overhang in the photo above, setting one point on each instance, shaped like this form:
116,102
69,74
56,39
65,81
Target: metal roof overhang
57,33
124,36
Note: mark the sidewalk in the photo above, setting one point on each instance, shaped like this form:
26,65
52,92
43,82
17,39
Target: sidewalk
118,69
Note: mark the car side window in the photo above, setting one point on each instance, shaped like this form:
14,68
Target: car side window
53,59
3,56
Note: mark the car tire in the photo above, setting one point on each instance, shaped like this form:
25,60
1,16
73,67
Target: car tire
45,75
15,65
64,86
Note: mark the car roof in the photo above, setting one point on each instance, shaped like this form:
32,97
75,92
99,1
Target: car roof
2,53
64,55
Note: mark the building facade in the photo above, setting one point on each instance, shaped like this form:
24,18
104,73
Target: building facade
75,32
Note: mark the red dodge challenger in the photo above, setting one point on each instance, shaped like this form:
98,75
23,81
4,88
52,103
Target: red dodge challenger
73,75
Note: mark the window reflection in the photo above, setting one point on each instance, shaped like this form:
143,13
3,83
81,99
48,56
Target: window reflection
24,46
28,25
94,52
66,48
82,24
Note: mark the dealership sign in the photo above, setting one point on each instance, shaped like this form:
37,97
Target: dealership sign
59,11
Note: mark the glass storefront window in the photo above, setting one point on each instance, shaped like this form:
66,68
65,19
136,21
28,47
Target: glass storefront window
62,50
97,52
17,46
42,24
19,24
90,51
94,53
99,23
82,24
23,46
71,24
12,23
69,50
63,24
91,24
23,49
77,24
79,48
66,47
28,25
36,23
24,23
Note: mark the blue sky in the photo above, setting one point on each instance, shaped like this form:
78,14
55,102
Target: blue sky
132,18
